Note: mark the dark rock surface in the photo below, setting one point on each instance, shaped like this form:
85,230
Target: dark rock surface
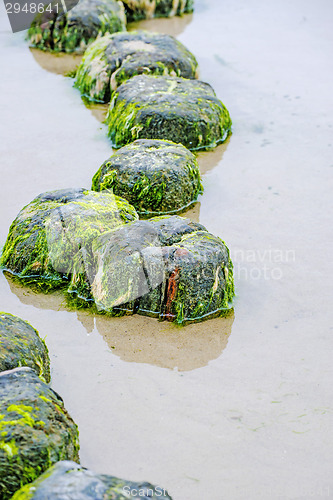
36,431
67,480
50,238
20,345
93,246
156,177
163,107
166,267
113,59
75,29
146,9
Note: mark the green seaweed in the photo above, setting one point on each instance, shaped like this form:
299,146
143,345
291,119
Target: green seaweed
21,346
137,10
69,480
175,109
182,277
49,240
113,59
78,27
92,78
156,177
35,432
166,267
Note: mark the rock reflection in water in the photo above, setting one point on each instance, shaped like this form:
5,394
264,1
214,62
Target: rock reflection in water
98,110
28,296
141,339
65,64
209,159
58,63
145,340
171,26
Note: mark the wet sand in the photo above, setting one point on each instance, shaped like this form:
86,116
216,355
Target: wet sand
245,410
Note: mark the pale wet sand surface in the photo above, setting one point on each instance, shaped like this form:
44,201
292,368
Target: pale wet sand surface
231,409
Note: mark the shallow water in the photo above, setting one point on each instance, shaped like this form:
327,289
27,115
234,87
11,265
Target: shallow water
243,409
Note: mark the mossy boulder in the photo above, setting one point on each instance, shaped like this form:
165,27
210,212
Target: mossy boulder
36,431
156,177
69,480
20,345
165,267
76,28
146,9
92,244
50,239
164,107
113,59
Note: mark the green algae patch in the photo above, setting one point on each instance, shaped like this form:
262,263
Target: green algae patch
163,107
156,177
36,431
113,59
166,267
147,9
20,345
201,283
79,26
68,480
50,239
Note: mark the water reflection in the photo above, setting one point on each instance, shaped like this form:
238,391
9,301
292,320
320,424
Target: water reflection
193,213
141,339
145,340
62,63
209,159
173,26
98,110
58,63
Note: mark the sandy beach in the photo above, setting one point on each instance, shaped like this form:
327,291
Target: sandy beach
232,408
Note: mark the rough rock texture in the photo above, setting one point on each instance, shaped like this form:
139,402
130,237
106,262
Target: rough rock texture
166,267
113,59
164,107
35,430
67,480
79,26
20,345
49,240
146,9
156,177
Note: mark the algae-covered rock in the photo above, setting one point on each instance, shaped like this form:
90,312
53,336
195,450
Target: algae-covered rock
164,107
146,9
49,240
78,26
20,345
36,431
67,480
166,267
156,177
113,59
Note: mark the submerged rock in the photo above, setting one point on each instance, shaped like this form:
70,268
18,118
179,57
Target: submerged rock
166,267
49,240
156,177
76,28
164,107
35,430
69,480
146,9
20,345
113,59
